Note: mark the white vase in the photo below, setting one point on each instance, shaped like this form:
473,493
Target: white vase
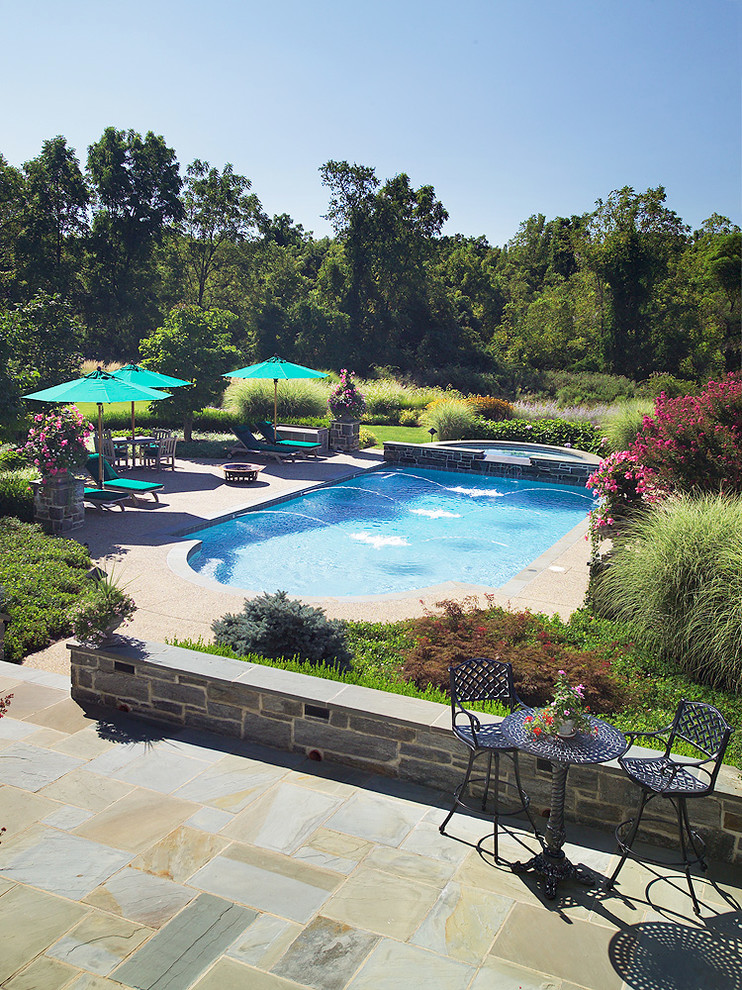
566,728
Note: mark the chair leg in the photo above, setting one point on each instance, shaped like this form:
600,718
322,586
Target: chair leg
684,830
496,813
487,780
459,790
628,843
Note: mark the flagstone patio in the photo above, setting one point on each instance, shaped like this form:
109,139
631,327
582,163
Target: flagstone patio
136,857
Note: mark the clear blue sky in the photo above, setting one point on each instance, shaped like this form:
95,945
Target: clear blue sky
507,107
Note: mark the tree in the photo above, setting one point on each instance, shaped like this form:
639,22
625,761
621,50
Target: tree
219,210
194,344
40,345
136,184
387,236
633,242
12,190
55,215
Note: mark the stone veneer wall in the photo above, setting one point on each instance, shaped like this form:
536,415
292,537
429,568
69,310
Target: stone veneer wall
383,733
475,462
58,503
345,435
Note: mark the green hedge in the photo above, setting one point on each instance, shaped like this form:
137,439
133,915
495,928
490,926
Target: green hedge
42,576
559,432
16,494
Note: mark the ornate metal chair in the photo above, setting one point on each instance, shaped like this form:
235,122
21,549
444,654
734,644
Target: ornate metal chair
677,778
480,679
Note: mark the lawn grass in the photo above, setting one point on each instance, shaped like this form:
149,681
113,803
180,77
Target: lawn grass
401,434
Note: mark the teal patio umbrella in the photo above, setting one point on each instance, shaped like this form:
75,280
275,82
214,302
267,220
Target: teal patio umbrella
277,369
136,375
101,388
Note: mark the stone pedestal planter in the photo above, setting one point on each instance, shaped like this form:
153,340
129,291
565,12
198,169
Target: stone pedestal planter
58,503
345,435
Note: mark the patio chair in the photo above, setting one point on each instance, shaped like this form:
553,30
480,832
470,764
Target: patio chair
161,453
113,481
104,498
115,452
480,679
676,778
251,443
266,429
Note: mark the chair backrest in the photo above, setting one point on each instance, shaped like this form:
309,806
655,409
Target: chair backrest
266,428
166,448
703,728
91,464
160,434
482,679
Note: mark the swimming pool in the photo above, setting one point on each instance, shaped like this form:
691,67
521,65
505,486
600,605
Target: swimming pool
390,530
504,448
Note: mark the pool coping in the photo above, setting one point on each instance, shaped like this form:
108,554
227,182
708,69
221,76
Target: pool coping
178,558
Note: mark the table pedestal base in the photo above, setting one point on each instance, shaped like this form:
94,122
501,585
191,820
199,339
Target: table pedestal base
555,867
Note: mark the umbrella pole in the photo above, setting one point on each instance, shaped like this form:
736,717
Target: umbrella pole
133,434
100,445
275,408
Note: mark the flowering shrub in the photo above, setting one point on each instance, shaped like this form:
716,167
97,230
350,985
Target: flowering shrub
57,441
694,443
624,487
568,704
345,399
691,444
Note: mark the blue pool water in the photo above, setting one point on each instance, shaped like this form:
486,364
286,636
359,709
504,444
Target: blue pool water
390,531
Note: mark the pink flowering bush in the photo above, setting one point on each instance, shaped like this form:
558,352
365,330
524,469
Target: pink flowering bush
345,399
57,441
694,443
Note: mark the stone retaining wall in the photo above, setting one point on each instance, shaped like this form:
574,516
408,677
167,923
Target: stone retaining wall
383,733
453,458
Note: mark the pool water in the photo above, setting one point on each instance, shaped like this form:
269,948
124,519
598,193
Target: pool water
391,530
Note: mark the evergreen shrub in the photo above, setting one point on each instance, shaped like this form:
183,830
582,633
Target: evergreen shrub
16,494
43,576
277,626
558,432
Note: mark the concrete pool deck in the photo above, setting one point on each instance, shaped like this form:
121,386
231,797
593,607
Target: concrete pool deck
142,547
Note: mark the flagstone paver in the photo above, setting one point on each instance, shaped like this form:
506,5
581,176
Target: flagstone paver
138,896
267,871
99,943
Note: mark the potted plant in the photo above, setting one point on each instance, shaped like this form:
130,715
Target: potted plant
347,405
345,401
107,607
565,715
57,441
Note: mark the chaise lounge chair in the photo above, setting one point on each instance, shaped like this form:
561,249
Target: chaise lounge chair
105,498
114,482
306,446
249,441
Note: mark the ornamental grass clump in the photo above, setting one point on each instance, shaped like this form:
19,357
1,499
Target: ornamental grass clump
58,441
452,419
675,580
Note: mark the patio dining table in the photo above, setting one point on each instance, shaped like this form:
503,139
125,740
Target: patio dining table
603,744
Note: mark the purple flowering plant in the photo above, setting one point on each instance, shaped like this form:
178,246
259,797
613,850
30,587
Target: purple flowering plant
58,441
345,399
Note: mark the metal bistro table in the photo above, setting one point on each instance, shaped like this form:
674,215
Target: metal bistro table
606,744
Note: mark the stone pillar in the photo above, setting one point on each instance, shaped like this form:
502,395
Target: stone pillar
345,435
58,503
